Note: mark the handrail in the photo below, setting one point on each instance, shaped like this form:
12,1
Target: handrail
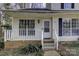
56,40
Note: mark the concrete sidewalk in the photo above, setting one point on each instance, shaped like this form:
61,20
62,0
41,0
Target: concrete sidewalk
51,53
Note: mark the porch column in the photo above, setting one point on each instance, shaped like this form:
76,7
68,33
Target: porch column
13,32
5,35
51,28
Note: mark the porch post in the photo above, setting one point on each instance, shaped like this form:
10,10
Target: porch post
12,33
5,34
42,40
51,27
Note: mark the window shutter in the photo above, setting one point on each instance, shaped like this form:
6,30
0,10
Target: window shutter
48,5
72,5
62,5
60,26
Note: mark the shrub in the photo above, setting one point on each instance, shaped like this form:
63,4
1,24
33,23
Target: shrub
31,49
1,43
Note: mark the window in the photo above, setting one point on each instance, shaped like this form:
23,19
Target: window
75,27
22,27
38,5
68,27
26,27
31,27
46,26
67,5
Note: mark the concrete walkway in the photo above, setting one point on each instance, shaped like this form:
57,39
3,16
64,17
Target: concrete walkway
51,53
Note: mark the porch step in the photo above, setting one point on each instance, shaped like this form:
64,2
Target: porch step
49,41
49,48
49,44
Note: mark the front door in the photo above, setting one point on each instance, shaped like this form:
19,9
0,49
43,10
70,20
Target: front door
47,28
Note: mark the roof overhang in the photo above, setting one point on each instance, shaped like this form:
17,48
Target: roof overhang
28,13
39,13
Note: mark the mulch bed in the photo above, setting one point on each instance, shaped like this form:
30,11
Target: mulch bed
71,49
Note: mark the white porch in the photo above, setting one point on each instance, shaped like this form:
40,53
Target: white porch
40,34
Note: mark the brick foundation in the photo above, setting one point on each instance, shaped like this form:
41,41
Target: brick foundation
17,44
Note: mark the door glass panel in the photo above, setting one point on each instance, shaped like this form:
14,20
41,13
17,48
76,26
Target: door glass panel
46,26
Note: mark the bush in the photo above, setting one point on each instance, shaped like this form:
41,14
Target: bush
1,43
31,49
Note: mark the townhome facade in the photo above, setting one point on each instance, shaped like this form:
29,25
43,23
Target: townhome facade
42,22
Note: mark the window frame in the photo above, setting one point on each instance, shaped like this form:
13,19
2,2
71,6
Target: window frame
26,27
67,28
64,4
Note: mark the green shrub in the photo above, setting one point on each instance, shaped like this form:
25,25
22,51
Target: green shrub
31,49
1,43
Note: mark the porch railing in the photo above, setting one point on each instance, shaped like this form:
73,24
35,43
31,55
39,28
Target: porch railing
22,34
7,34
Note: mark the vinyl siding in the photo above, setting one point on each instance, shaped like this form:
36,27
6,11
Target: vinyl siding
57,6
